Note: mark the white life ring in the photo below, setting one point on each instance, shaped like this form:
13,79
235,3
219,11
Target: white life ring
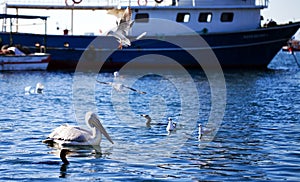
66,2
77,2
74,2
143,3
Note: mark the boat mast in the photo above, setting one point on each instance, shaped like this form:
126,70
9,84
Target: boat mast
4,20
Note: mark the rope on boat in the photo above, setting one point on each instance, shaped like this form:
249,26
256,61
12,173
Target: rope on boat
296,60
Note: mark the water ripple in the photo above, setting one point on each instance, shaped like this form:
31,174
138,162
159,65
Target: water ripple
258,139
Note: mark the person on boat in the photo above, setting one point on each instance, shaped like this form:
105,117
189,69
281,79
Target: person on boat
270,23
16,51
12,50
4,50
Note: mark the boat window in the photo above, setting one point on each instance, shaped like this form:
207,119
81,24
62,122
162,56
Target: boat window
227,17
183,17
142,17
205,17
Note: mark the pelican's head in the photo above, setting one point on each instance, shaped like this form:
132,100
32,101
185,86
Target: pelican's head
94,122
170,119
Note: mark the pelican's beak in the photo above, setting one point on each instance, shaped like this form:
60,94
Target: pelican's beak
102,130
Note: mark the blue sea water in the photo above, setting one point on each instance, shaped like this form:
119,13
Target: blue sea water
258,139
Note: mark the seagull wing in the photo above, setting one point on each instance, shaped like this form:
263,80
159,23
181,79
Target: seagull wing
127,14
125,22
119,86
124,27
107,83
141,35
135,90
27,89
207,130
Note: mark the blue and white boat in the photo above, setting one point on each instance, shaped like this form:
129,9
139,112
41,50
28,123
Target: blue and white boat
30,62
232,28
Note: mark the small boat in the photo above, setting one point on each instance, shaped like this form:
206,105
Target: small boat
17,56
29,62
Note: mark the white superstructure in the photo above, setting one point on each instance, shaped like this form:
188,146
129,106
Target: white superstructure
202,16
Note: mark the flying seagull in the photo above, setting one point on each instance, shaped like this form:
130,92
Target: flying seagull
119,87
202,131
123,28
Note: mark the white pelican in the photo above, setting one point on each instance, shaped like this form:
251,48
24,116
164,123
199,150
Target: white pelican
65,135
119,87
37,90
123,28
148,119
171,125
202,131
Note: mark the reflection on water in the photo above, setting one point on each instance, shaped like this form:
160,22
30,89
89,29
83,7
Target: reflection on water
258,138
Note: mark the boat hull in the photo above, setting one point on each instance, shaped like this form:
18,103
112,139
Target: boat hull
247,49
32,62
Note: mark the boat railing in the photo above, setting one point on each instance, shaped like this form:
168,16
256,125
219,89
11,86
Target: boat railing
104,4
80,4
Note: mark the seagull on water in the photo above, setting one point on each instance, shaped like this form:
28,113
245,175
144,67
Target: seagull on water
116,74
171,125
148,118
202,131
37,90
149,121
119,87
66,135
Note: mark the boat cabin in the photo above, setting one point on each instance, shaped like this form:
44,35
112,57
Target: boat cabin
202,16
